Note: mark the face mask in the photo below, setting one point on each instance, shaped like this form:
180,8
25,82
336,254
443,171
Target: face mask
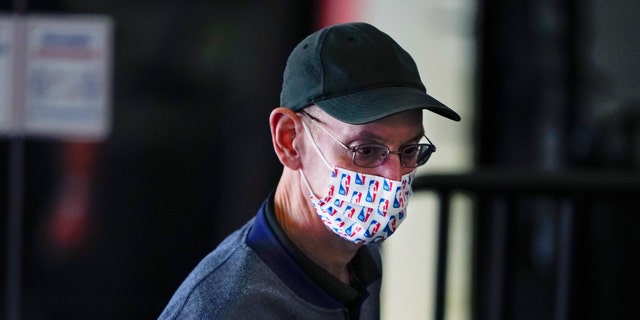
361,208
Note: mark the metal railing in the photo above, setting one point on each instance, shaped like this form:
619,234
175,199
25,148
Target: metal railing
491,183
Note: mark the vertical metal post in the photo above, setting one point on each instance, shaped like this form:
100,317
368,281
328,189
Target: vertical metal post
16,181
498,256
563,284
443,247
14,238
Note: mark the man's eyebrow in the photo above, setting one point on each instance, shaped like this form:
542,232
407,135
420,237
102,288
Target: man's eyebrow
369,135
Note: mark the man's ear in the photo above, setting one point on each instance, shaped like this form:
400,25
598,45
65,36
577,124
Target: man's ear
285,127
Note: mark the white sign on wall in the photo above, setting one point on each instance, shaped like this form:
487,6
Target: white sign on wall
64,87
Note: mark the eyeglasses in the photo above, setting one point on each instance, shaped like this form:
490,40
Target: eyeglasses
371,155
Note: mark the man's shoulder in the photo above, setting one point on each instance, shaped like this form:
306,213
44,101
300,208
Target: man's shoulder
214,281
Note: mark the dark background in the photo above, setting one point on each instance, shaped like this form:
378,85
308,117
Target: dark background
189,158
188,161
558,92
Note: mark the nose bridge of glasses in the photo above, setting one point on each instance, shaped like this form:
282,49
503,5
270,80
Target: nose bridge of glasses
384,156
402,157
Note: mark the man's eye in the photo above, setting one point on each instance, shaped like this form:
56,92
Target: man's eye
370,150
410,150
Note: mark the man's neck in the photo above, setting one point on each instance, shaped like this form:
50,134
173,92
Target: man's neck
302,226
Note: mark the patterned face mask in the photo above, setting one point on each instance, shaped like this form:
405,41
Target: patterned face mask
361,208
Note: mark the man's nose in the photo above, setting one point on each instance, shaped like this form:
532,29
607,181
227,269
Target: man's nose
391,168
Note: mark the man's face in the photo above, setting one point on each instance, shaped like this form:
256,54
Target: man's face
394,132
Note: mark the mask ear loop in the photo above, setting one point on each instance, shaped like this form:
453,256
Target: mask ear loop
315,146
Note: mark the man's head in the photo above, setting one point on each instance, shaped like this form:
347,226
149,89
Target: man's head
352,102
356,74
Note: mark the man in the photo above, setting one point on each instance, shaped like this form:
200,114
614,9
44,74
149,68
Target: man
350,124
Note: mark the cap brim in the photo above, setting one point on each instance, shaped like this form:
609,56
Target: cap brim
374,104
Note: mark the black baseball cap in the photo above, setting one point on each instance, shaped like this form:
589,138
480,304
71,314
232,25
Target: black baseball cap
357,74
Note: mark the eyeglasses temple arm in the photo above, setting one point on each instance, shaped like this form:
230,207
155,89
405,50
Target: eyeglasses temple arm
315,121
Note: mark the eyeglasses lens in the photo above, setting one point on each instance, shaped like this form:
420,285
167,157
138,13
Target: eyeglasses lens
370,155
424,154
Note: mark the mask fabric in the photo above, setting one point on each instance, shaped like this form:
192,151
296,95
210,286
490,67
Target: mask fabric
361,208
